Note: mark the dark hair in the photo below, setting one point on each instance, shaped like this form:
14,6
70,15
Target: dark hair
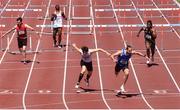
57,7
84,49
149,21
128,46
19,19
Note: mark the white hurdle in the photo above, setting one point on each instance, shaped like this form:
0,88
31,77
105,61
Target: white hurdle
139,9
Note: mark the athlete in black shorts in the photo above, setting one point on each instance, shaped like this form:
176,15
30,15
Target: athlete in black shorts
122,62
21,29
86,62
56,21
149,36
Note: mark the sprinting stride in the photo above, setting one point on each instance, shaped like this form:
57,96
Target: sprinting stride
86,62
121,58
150,43
21,29
57,25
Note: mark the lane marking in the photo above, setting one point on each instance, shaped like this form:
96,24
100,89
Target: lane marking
170,73
66,57
133,69
97,54
44,91
34,58
6,92
2,10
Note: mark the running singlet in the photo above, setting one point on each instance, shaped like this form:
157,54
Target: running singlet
148,34
86,57
21,31
58,21
123,59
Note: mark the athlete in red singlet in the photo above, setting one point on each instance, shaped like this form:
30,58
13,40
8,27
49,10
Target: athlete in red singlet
21,29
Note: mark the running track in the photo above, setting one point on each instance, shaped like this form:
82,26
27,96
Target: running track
50,83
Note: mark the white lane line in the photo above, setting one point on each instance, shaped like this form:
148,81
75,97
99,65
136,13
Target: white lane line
5,7
66,56
12,37
166,19
97,54
134,72
176,2
34,58
170,73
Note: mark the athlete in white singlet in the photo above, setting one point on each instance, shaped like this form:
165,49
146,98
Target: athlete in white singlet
86,62
57,24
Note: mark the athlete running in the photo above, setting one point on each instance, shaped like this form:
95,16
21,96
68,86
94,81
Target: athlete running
21,29
121,58
150,43
86,62
57,24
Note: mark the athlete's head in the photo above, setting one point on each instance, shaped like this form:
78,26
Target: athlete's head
129,49
19,21
85,49
57,7
149,24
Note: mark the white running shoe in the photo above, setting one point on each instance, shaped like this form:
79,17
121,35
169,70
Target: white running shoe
77,86
122,89
148,61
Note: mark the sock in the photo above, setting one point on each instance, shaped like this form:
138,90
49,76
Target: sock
80,77
88,76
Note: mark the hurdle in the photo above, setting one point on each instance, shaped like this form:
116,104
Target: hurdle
19,4
2,25
142,3
21,10
118,4
16,52
111,25
139,9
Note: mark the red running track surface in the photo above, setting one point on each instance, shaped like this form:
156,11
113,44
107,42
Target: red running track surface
50,83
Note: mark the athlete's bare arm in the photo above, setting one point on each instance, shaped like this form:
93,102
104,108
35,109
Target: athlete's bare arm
99,49
76,48
9,31
115,54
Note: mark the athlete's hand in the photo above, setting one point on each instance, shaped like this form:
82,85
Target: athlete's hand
74,45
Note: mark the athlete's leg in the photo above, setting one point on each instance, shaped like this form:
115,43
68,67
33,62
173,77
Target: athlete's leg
83,70
152,52
59,36
147,50
117,69
89,74
54,36
126,75
24,52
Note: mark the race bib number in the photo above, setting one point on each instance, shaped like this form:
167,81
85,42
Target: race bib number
148,36
21,32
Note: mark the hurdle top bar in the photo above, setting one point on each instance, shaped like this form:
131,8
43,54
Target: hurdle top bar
113,25
22,10
139,9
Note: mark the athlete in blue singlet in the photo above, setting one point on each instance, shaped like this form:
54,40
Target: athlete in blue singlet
121,58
